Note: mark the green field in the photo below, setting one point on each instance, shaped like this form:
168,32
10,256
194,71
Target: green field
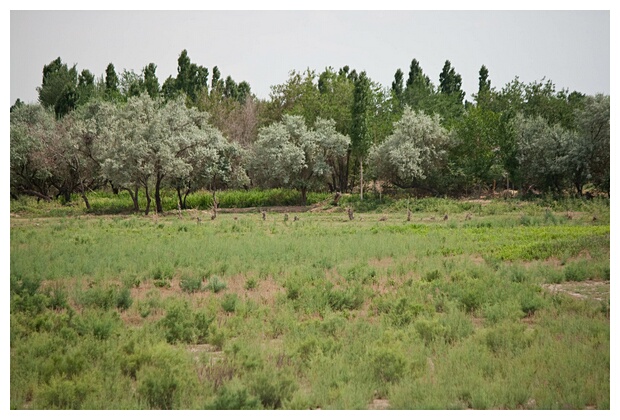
504,305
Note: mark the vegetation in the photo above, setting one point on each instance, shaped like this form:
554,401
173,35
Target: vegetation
504,305
316,133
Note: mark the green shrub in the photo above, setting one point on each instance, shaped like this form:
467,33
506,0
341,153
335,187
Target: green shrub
178,323
229,398
190,284
431,275
250,284
402,312
123,299
162,283
97,323
577,271
351,298
500,311
429,330
63,394
230,301
387,365
158,386
273,387
509,337
215,284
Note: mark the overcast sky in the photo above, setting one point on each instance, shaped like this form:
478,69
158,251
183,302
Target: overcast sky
572,48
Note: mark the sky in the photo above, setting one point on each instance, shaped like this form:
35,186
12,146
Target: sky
571,48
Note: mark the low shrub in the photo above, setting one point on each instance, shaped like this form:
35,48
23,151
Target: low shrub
215,284
190,284
230,301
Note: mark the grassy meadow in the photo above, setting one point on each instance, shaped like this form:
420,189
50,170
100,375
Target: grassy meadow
471,304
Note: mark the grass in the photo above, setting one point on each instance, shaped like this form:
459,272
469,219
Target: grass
134,312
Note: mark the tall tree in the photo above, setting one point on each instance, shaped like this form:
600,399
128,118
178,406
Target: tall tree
418,89
361,139
111,79
151,83
191,78
58,88
397,85
483,96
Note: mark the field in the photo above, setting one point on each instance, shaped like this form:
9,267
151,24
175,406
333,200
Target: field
485,305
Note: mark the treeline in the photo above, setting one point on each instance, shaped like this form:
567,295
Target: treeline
334,130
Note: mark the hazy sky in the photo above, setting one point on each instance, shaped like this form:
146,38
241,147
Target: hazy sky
572,48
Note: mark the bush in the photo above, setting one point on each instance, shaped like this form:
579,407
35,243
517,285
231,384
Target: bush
215,284
233,399
351,298
97,323
388,366
158,386
273,387
508,337
190,284
64,394
178,324
230,301
123,299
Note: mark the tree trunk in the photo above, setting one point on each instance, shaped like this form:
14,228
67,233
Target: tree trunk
148,200
180,198
361,180
134,198
185,197
158,205
84,197
304,193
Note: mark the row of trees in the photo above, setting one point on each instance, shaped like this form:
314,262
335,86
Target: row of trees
334,130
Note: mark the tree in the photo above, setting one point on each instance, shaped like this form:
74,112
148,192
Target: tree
398,88
86,87
31,170
418,89
18,103
591,156
415,152
151,83
288,154
476,155
449,102
483,97
111,81
360,133
191,78
543,153
58,88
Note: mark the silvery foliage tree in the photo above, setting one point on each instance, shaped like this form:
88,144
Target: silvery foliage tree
288,154
157,141
544,153
414,151
32,127
92,130
593,127
215,163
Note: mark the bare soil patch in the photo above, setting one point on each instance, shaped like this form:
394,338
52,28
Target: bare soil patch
589,289
379,404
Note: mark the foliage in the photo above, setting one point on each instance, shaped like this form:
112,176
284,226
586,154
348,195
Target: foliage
298,157
413,153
